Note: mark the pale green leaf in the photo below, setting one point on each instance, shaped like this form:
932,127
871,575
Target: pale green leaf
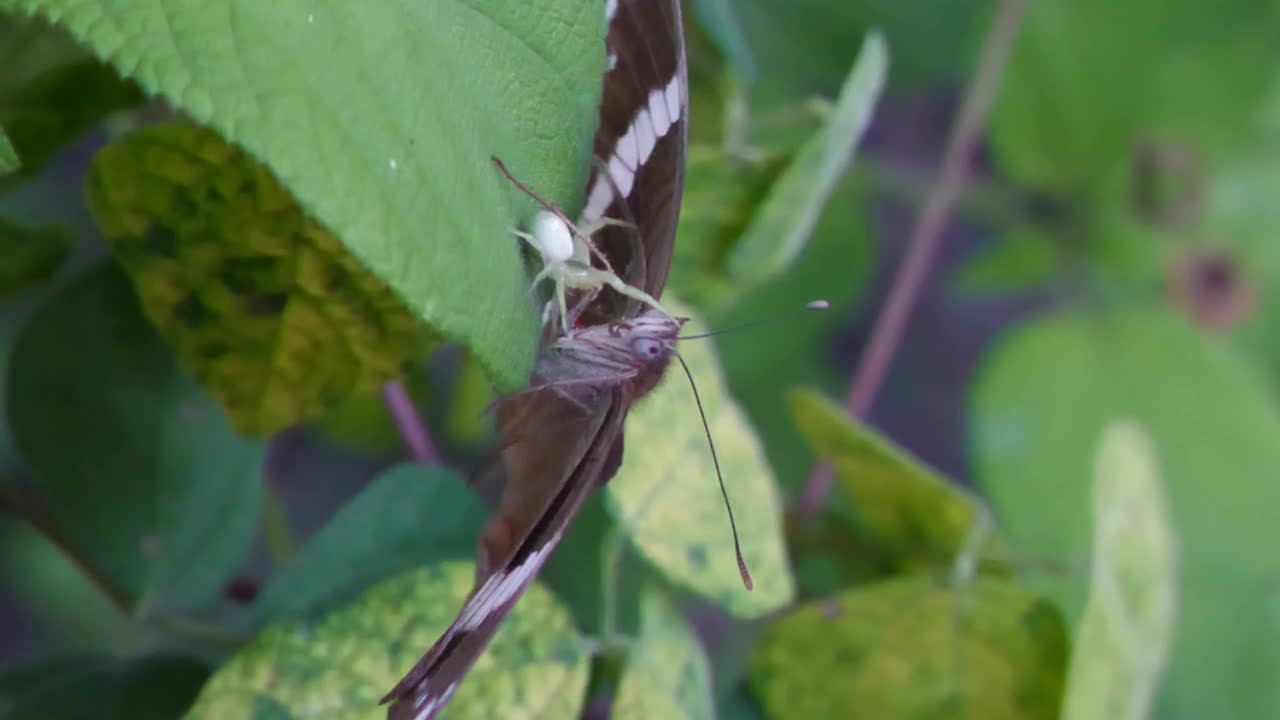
910,648
667,673
339,665
138,466
264,306
1042,401
920,517
666,498
408,516
786,219
381,119
1125,633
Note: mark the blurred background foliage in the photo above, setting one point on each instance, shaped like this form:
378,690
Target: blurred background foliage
1058,503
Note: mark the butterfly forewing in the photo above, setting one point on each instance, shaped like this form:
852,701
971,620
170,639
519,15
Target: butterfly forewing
583,386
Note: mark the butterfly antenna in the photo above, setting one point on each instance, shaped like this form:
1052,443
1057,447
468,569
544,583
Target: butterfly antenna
737,546
815,305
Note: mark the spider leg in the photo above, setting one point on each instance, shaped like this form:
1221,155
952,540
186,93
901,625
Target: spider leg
634,293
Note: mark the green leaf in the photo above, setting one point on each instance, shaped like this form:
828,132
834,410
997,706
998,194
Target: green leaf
667,673
58,602
94,687
1044,397
920,517
343,663
51,92
909,648
720,21
788,216
1123,640
381,120
722,191
408,516
1025,258
1068,114
836,266
666,498
265,308
9,160
138,466
31,254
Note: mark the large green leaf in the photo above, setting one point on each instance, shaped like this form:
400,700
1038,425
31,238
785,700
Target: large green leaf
918,516
341,664
666,498
1042,401
381,119
667,673
1123,641
138,466
98,687
1087,76
51,91
265,308
909,648
409,516
31,254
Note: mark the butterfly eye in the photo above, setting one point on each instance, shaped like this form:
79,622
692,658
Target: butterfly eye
648,348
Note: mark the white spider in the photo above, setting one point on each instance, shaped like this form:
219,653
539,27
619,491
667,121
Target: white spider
566,260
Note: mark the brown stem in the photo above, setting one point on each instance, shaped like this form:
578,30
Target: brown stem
412,430
927,233
19,499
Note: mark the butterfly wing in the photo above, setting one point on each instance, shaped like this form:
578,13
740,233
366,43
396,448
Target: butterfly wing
641,139
536,508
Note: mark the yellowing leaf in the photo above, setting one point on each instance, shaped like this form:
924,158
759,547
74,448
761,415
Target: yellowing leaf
667,674
263,305
1126,631
918,516
339,666
910,648
666,496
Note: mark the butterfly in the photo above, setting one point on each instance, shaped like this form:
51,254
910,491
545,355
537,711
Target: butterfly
562,438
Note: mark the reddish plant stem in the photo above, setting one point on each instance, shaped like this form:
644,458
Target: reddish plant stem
927,232
412,431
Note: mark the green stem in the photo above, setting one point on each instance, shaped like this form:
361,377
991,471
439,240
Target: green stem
611,556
